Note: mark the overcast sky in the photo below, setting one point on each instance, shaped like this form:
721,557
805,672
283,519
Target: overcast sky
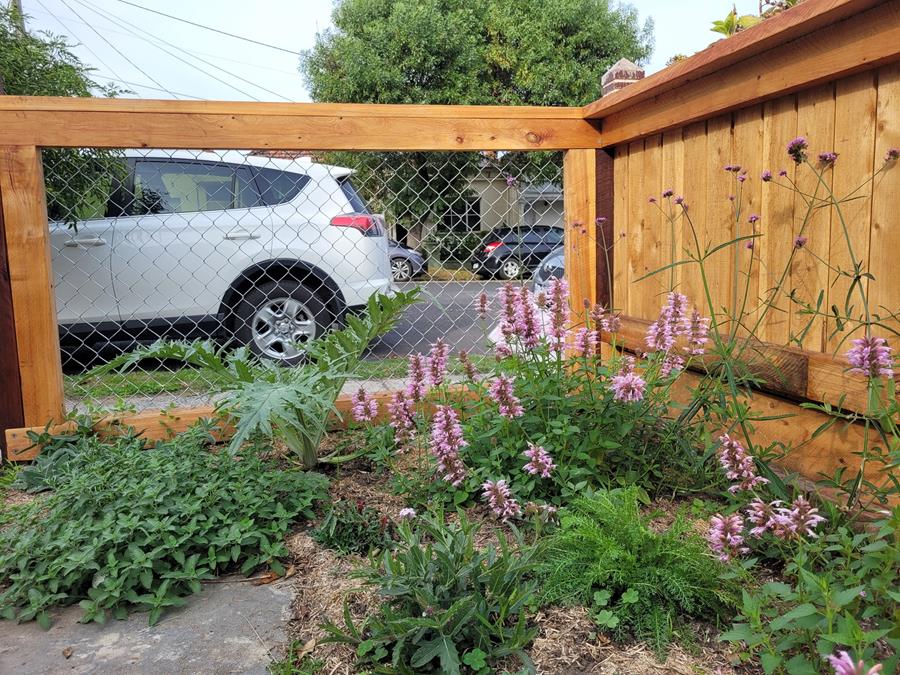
129,45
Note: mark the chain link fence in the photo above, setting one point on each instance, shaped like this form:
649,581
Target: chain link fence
272,249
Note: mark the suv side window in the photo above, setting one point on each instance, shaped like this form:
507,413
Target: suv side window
173,186
554,236
278,187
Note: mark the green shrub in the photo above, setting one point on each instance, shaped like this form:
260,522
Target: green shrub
841,595
129,528
352,527
638,583
449,607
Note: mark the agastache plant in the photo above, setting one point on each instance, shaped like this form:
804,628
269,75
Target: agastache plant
365,408
446,442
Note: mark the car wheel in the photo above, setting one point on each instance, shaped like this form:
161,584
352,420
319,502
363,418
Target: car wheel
401,269
276,319
510,269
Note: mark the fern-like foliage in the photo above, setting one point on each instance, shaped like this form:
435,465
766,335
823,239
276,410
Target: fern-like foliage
639,583
264,399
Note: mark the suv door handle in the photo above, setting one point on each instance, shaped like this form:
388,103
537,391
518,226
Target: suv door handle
86,241
241,234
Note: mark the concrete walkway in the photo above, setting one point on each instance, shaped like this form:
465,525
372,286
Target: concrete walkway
228,628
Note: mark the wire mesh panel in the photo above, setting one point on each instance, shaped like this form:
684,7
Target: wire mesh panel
269,250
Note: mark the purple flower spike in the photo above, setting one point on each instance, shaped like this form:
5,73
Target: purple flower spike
628,387
501,392
828,158
871,356
738,465
540,463
365,408
725,536
844,664
446,442
503,505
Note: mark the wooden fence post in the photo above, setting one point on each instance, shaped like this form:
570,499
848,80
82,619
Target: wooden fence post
11,416
580,209
27,243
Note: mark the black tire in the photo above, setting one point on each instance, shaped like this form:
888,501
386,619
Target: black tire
505,271
303,317
401,269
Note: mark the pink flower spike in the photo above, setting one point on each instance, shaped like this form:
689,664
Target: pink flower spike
415,385
365,408
586,341
697,334
558,306
871,356
468,366
437,362
726,537
402,411
540,463
762,515
843,664
628,387
738,465
406,514
446,442
483,303
498,497
798,520
501,392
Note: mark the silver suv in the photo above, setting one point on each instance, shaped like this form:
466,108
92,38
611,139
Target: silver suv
267,252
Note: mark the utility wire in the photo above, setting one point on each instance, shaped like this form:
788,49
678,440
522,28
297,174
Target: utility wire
83,44
147,86
118,51
110,31
120,21
214,30
172,54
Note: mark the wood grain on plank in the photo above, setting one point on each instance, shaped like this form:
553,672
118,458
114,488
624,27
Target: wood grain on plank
620,232
229,129
11,414
580,214
802,19
605,230
861,42
31,284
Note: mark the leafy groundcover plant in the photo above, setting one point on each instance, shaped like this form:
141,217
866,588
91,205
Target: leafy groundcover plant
449,606
353,527
639,583
124,527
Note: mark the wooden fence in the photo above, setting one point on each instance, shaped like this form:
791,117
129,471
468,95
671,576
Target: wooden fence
828,69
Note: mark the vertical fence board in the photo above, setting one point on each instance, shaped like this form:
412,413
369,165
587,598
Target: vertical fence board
695,201
606,219
718,225
815,121
854,141
648,257
621,227
672,179
11,415
636,202
779,128
580,204
31,281
885,242
747,153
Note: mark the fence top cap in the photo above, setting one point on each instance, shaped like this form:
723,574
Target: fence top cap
623,69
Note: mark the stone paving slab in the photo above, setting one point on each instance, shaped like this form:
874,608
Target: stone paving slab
232,627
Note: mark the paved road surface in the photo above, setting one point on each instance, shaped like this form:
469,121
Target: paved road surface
446,309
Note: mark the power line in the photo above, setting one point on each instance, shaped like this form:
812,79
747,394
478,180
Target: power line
147,86
120,22
214,30
72,33
172,54
134,65
144,39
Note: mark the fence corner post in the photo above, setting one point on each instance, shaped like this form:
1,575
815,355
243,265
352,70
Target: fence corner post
28,321
580,208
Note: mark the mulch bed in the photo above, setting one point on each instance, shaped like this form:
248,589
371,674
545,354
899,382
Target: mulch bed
568,642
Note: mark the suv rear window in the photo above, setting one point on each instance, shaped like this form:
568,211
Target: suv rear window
278,187
357,203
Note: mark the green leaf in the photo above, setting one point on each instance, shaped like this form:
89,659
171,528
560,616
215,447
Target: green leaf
441,647
798,612
770,662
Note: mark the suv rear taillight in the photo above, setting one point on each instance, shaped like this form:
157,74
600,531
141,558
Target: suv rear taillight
492,246
365,223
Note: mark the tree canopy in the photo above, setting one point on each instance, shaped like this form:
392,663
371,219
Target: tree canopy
77,181
494,52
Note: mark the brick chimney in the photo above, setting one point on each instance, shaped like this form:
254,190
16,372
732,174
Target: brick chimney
623,73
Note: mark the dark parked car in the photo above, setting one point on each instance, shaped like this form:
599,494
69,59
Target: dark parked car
509,252
552,267
406,263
